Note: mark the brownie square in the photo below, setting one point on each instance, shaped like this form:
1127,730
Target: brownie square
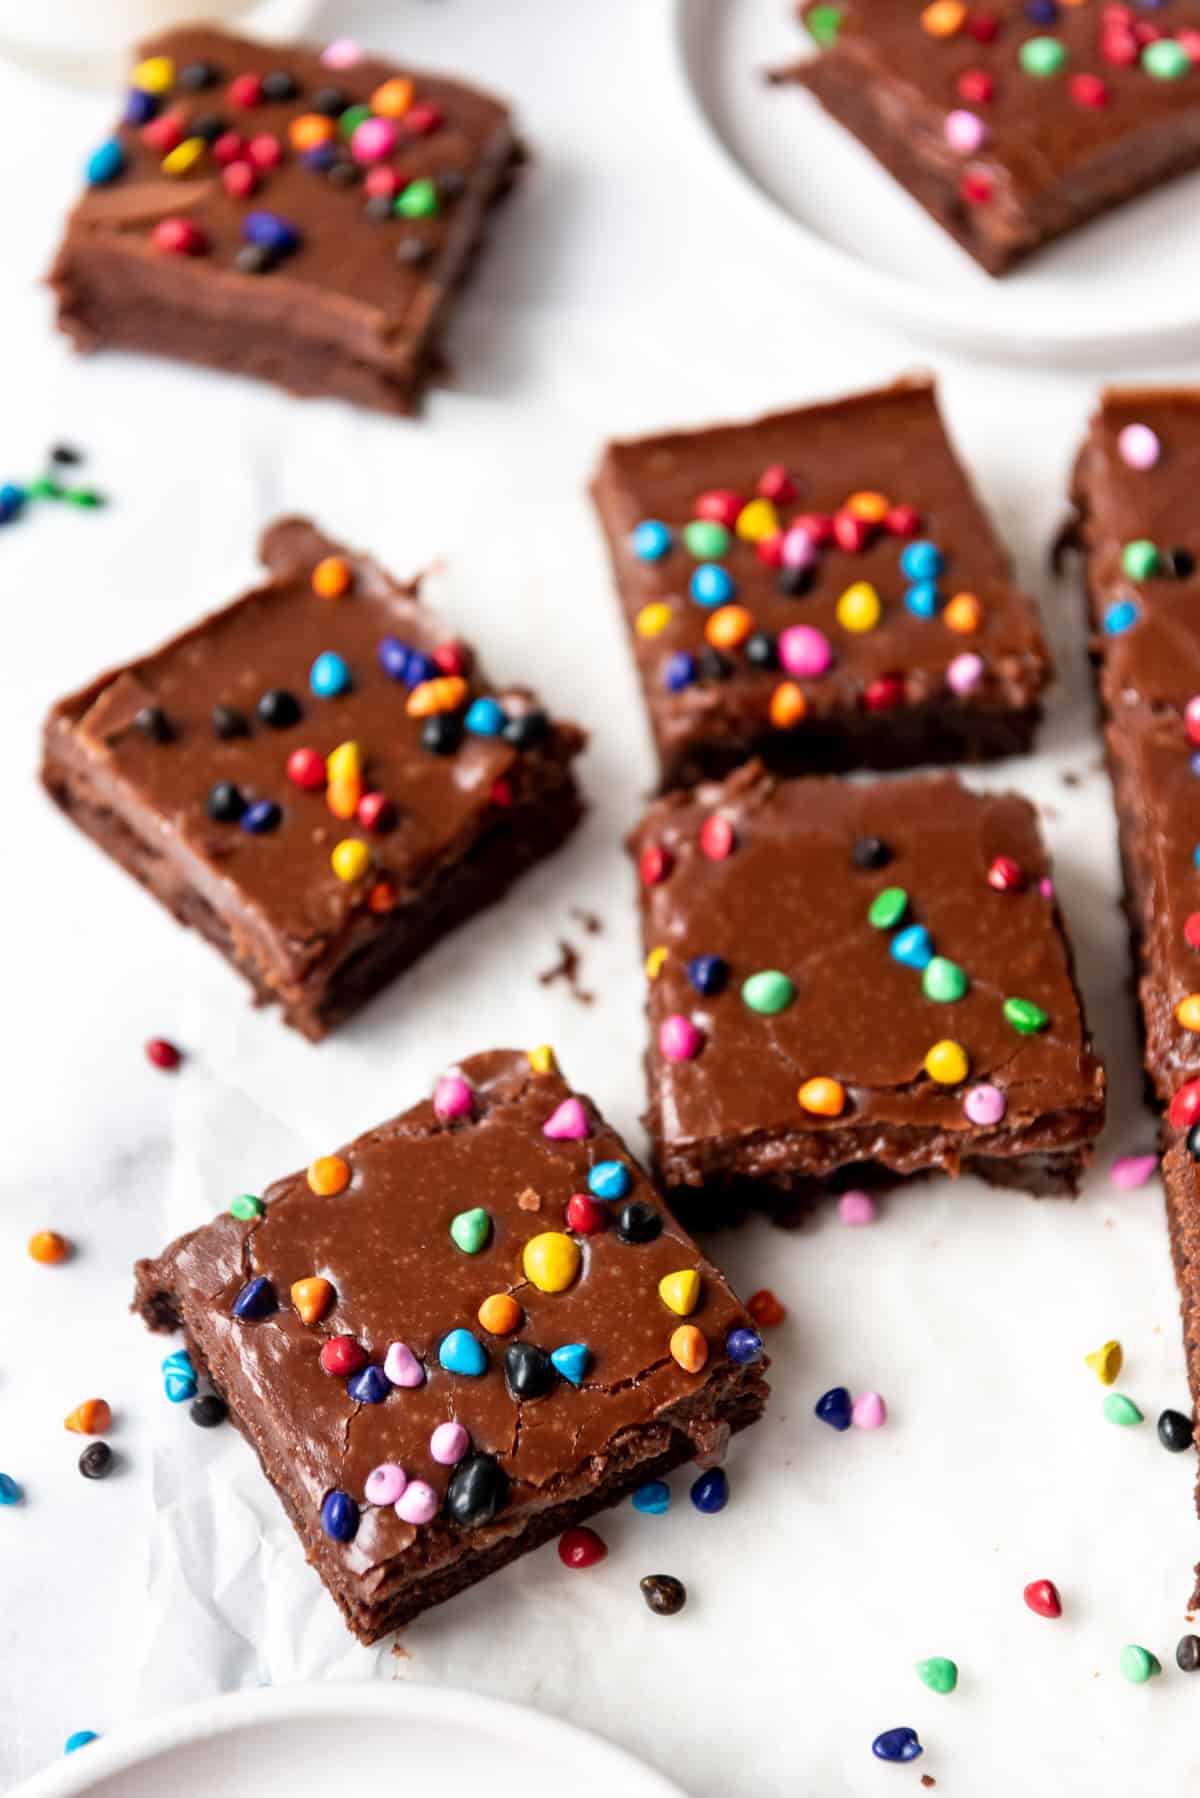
319,777
820,588
869,978
1009,129
492,1266
1181,1184
263,209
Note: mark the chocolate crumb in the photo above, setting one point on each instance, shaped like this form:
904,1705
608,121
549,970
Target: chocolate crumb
590,922
567,968
1070,778
927,1779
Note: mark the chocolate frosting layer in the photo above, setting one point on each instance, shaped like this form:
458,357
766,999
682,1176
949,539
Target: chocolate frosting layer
789,897
281,884
342,281
892,443
1048,156
384,1244
1155,659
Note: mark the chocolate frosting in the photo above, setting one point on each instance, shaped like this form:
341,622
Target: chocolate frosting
343,279
281,884
385,1246
1155,663
1039,137
789,897
892,442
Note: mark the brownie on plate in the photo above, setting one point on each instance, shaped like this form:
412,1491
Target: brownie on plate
1013,123
467,1330
821,588
319,777
864,979
277,212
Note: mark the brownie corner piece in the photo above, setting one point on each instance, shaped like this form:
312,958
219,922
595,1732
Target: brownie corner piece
1011,130
262,210
535,1338
873,978
821,588
319,778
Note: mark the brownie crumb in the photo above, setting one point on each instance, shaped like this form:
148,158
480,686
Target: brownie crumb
529,1200
927,1779
588,919
566,968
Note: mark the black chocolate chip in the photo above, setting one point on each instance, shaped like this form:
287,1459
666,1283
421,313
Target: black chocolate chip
528,1370
207,125
527,730
1180,564
1175,1431
442,733
279,85
96,1461
795,582
279,708
713,665
1187,1654
153,722
450,184
194,76
665,1594
227,722
379,207
225,803
870,852
478,1488
254,259
330,101
208,1411
761,650
638,1222
1192,1142
66,455
344,173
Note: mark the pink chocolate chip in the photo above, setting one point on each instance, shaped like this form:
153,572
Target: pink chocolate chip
679,1039
418,1503
452,1098
804,650
402,1367
1131,1171
568,1122
385,1484
448,1444
857,1208
868,1411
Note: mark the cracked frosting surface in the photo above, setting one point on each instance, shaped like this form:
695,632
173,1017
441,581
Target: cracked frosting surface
384,1244
789,897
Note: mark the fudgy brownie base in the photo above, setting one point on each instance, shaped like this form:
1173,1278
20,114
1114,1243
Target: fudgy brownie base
818,1069
314,944
569,1236
335,316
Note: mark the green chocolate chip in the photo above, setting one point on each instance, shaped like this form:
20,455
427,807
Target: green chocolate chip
1121,1410
418,201
823,24
471,1229
1042,56
768,992
246,1207
887,908
706,540
943,980
939,1674
1025,1017
1166,60
1139,559
350,120
1138,1664
44,488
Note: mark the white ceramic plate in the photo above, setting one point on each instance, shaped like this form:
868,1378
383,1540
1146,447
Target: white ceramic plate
1129,280
401,1739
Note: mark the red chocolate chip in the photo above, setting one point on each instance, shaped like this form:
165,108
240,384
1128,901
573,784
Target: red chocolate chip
1041,1595
777,485
584,1215
655,864
581,1547
717,838
1006,875
1184,1109
884,693
376,811
162,1054
342,1356
720,506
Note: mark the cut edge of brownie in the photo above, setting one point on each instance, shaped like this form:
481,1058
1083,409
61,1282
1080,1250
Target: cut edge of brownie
726,1404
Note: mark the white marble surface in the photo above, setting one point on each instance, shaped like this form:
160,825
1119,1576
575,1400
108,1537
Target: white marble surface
618,295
